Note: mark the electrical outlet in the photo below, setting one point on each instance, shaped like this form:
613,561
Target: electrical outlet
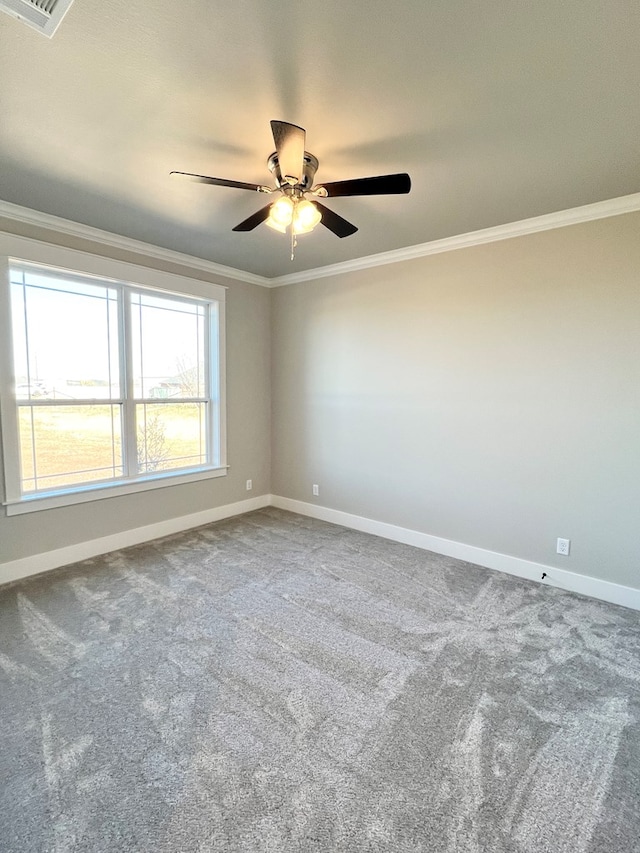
563,547
249,485
316,489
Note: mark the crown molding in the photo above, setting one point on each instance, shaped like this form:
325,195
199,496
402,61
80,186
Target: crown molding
106,238
546,222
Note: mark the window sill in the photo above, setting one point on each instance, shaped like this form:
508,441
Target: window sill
86,494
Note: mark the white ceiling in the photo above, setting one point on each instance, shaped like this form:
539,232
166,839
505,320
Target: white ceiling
499,110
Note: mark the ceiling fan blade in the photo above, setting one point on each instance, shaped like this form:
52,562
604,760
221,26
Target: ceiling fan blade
223,182
380,185
254,220
335,223
289,140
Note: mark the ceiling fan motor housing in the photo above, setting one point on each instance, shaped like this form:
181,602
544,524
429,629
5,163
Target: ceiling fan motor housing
309,168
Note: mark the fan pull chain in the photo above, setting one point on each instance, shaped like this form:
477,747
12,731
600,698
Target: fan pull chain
294,242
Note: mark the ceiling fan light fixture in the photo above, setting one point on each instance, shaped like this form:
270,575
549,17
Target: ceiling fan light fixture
299,213
281,214
306,217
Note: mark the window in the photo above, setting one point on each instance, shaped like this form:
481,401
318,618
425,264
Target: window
115,387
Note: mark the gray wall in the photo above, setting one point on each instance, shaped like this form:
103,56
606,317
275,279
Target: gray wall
248,429
489,395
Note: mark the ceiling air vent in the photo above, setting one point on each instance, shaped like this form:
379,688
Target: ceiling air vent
42,15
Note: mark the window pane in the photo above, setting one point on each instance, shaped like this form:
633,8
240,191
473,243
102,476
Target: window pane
168,345
65,338
171,435
104,369
63,445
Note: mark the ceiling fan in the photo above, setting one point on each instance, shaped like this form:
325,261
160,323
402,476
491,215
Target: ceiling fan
297,206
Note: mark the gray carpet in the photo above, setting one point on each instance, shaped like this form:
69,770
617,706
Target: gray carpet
274,683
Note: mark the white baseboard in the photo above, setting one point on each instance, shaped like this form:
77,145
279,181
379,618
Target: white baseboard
561,578
84,550
593,587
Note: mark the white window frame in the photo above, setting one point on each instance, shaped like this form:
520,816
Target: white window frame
82,263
